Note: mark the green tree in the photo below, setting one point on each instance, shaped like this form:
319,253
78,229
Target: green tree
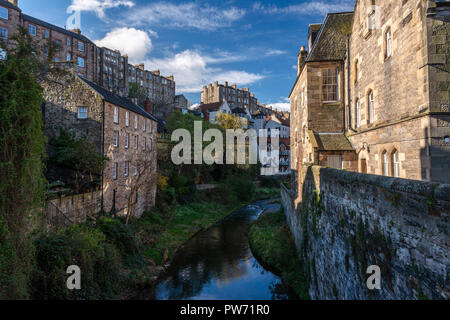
21,160
228,121
138,93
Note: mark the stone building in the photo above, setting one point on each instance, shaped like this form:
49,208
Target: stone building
317,98
122,131
105,67
386,70
235,97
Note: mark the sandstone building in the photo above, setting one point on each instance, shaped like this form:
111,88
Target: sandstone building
105,67
372,94
235,97
122,131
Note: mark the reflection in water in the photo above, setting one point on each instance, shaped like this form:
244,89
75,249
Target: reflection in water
218,264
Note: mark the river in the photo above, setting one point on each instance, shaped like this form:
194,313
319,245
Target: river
217,264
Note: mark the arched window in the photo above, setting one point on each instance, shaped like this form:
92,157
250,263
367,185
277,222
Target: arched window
388,43
385,163
371,107
395,164
358,114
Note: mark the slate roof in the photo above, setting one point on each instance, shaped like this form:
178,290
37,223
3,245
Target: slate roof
118,100
56,28
330,141
331,41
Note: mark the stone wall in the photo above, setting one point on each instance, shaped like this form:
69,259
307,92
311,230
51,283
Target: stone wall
72,209
349,221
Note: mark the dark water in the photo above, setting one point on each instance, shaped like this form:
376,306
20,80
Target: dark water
218,264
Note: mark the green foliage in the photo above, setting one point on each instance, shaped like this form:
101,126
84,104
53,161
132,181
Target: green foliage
138,93
272,242
80,245
79,155
242,186
21,166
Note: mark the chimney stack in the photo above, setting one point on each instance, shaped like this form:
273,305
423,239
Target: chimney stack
14,2
301,59
147,105
77,31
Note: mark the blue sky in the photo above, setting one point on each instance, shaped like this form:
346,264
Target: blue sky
251,43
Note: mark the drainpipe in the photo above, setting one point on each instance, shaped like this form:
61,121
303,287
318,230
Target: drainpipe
349,98
103,147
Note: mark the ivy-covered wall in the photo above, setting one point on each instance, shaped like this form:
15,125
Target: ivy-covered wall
349,221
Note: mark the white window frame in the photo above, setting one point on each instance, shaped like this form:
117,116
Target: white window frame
135,173
3,54
371,108
4,10
115,170
81,62
396,163
358,113
116,139
385,164
68,42
388,43
136,122
3,33
144,125
127,141
116,115
30,28
127,119
126,169
68,57
136,142
80,46
82,112
325,84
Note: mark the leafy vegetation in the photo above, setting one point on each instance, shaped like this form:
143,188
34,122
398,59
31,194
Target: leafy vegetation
272,242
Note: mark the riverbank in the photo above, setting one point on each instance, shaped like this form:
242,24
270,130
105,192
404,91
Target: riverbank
273,244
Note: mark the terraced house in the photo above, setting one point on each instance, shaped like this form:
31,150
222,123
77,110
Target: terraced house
103,66
372,93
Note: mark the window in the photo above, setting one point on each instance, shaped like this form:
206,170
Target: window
135,173
80,46
127,119
385,164
358,114
3,33
68,57
116,115
150,144
144,143
330,85
2,54
135,142
396,164
68,41
80,62
335,161
3,13
151,126
127,169
32,29
144,125
115,170
82,112
127,140
116,139
388,44
46,34
135,122
371,107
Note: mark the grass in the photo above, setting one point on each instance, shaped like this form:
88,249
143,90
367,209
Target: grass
272,242
163,233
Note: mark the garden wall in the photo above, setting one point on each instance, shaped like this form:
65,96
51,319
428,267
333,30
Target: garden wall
349,221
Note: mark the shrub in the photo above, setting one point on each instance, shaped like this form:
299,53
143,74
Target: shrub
80,245
270,182
242,186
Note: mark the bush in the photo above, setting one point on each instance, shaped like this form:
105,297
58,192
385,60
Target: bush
242,186
80,245
270,182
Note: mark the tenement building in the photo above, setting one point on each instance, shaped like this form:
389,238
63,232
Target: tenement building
236,98
103,66
119,129
372,94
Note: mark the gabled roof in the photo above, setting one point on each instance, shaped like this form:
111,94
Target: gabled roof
56,28
118,100
331,41
330,141
210,106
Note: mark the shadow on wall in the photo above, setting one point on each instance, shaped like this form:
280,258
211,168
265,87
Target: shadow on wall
435,158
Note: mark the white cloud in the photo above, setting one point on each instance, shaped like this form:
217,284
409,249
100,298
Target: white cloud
308,8
98,6
275,52
192,71
135,43
185,15
283,105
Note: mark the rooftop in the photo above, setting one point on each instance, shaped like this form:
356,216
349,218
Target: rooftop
329,141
